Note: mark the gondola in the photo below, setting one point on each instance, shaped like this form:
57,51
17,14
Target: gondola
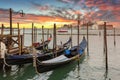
40,46
74,53
28,58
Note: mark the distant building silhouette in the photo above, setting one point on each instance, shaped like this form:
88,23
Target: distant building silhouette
107,27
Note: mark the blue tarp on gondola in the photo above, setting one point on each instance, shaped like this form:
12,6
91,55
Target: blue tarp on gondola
67,52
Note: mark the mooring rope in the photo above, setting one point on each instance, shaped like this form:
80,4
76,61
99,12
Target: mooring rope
4,60
3,52
34,59
4,70
38,61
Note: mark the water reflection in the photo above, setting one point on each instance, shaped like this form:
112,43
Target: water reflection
18,73
92,68
62,72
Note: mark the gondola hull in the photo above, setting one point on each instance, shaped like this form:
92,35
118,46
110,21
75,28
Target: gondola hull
76,52
18,60
47,67
28,58
41,47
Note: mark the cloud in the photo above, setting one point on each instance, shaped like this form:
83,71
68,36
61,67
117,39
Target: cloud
41,7
97,9
72,1
107,9
29,18
67,1
53,11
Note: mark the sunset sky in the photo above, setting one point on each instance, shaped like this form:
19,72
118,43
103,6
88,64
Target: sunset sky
48,12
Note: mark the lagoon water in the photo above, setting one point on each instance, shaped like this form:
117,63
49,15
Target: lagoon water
92,67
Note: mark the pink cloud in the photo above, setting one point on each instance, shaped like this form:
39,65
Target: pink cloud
67,1
105,6
44,7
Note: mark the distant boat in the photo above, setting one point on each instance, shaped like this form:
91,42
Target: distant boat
62,30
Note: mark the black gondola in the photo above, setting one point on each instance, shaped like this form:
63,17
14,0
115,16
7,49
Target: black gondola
74,53
28,58
40,46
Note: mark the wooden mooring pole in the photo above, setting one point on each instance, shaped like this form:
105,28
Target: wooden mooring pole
71,35
10,38
54,40
99,33
105,46
35,34
10,21
23,37
2,30
32,33
87,40
47,33
19,41
43,37
47,37
114,37
78,31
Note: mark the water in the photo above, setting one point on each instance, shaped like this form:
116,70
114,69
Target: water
92,67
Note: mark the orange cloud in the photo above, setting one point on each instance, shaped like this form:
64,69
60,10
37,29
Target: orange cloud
39,20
